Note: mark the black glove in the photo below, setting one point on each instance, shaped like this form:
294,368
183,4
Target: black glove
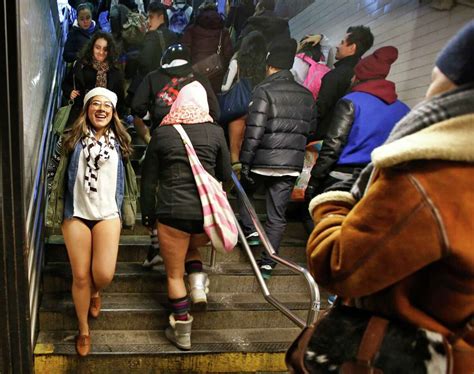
245,178
310,191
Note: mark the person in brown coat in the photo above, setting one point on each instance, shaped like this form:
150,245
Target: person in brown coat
401,243
203,37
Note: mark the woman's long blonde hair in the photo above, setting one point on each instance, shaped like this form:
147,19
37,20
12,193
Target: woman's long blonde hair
81,125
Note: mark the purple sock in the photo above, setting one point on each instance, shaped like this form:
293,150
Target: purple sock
180,308
194,266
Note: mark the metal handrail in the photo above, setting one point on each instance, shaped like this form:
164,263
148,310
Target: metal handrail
315,303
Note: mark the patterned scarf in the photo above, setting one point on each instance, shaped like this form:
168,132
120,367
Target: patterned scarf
102,69
187,115
97,152
438,109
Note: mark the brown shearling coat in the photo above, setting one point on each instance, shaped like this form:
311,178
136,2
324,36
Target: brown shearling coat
406,249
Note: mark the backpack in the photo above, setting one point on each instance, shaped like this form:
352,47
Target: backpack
316,72
104,22
133,31
178,20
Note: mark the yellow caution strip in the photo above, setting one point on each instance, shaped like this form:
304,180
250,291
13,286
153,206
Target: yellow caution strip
177,363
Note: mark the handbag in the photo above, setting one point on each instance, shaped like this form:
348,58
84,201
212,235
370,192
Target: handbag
219,220
61,117
129,204
211,65
234,103
350,340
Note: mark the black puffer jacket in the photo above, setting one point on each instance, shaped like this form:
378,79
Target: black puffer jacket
278,124
166,166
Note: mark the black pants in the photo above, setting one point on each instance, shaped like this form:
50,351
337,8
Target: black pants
277,196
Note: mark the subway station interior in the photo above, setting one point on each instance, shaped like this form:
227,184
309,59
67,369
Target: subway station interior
253,322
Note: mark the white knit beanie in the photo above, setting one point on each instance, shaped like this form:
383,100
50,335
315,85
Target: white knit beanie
101,91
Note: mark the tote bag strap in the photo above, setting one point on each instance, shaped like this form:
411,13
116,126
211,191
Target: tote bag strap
196,165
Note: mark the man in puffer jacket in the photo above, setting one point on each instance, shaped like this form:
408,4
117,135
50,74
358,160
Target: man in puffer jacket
273,150
362,121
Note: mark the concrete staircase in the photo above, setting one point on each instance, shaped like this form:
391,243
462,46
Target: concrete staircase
240,332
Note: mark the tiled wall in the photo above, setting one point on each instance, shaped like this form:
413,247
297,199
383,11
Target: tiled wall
39,46
418,31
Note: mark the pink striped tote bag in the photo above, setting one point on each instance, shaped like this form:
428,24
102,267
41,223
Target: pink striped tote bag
219,219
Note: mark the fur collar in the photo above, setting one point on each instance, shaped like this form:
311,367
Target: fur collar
451,140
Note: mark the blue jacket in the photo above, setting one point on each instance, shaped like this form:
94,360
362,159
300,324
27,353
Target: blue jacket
373,122
360,123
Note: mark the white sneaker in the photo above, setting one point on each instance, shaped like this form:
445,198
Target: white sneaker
153,258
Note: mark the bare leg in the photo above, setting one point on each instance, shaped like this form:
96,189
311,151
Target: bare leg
77,237
197,240
105,239
174,245
236,137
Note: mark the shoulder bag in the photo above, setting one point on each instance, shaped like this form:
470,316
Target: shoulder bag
235,102
211,65
219,220
62,115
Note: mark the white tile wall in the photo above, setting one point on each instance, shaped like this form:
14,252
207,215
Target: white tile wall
39,46
418,31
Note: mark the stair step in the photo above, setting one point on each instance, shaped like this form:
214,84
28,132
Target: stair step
150,312
214,351
134,248
133,278
152,342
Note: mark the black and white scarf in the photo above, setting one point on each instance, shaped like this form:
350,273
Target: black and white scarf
438,109
97,152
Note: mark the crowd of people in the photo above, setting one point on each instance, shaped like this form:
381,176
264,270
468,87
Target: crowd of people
390,188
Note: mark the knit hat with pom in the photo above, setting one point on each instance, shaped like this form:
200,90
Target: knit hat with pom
377,65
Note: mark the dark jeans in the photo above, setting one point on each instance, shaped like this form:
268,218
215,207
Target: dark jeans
277,195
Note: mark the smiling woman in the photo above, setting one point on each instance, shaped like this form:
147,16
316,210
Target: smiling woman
91,159
96,67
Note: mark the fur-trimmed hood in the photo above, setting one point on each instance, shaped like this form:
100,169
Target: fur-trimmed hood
450,140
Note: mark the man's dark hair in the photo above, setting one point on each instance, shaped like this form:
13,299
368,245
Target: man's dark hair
156,8
362,37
